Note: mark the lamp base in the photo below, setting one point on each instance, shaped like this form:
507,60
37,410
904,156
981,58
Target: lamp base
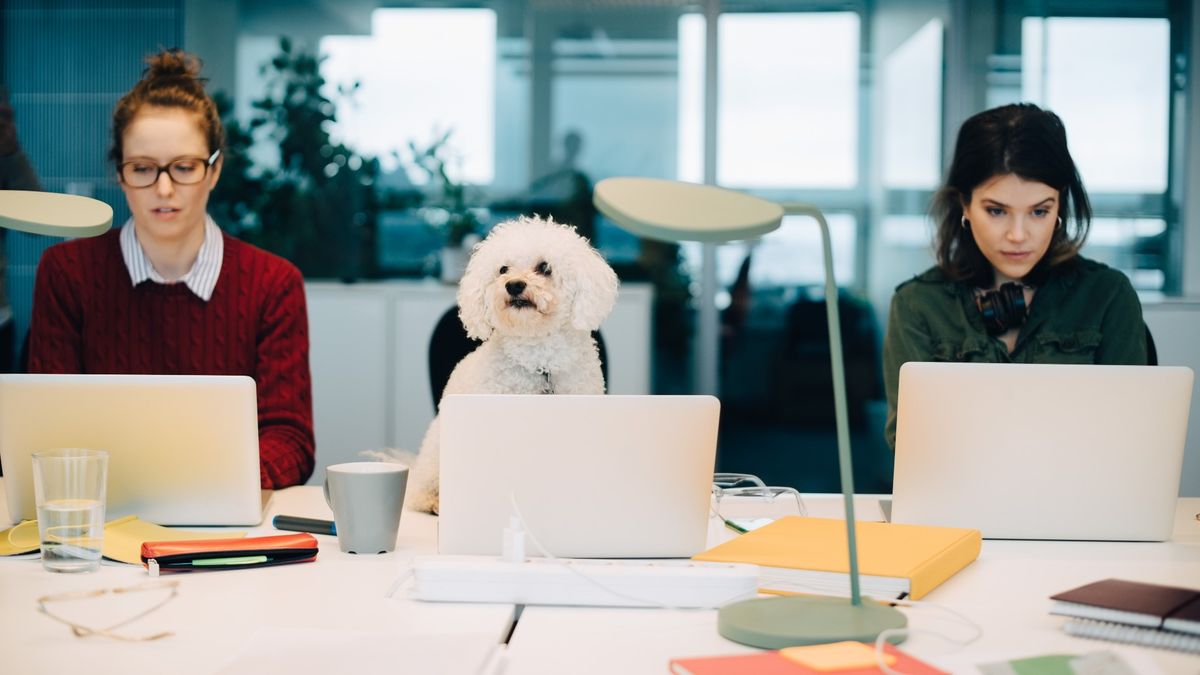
788,621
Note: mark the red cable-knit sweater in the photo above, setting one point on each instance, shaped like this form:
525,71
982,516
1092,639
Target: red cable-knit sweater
88,318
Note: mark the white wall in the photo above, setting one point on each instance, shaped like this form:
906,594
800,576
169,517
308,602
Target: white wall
1191,205
1175,326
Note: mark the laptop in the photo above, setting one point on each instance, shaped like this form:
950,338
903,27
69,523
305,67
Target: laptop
183,449
1041,451
593,476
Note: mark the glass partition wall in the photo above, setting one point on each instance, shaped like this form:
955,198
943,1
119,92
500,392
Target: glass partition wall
522,105
852,106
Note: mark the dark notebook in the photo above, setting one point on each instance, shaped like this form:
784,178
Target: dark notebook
1133,603
1186,619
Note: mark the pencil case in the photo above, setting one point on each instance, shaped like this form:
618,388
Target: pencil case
228,554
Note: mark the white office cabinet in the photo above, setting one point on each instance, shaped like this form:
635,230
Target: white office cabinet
349,345
369,350
413,322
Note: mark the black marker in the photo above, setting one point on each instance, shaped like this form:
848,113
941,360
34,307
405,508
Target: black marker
298,524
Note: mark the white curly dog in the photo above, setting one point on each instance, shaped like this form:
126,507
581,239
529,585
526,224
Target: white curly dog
533,291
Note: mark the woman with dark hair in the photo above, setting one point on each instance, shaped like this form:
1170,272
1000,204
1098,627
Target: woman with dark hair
1009,285
169,293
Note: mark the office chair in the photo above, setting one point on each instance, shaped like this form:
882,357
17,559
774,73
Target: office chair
449,344
1151,350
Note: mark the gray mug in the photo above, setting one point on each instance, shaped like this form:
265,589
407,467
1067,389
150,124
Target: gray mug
366,498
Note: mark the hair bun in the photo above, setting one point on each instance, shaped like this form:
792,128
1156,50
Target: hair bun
171,80
172,64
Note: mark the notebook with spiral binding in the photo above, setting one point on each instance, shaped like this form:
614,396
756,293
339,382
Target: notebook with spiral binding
1138,635
1152,615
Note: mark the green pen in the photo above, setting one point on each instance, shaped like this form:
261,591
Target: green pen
240,560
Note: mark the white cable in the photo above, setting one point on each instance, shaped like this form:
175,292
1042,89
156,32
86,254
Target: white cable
404,576
520,520
976,629
405,564
495,662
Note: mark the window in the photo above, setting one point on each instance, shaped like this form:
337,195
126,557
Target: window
690,162
413,87
619,96
1108,79
789,256
788,99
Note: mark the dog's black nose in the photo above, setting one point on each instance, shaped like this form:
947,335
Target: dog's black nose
515,288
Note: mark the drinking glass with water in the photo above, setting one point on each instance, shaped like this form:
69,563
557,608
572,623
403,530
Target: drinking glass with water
69,486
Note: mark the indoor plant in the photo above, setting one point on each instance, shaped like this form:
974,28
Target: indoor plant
446,209
318,206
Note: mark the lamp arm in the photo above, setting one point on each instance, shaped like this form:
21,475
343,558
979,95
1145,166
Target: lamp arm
837,364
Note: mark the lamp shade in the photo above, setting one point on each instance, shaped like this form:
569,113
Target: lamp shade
674,211
54,214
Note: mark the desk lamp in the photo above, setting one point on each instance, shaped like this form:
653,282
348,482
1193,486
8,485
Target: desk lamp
54,214
676,211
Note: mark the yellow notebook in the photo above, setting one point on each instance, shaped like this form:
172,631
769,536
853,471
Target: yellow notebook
123,538
808,555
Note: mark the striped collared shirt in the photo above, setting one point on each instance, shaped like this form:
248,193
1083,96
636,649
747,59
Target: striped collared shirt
201,279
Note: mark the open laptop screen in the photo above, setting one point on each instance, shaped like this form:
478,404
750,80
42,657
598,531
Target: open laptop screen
183,449
594,476
1024,451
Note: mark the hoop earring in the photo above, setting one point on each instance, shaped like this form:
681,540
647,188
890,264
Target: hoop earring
966,224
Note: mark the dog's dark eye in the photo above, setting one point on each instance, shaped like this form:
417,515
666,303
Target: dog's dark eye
543,268
504,269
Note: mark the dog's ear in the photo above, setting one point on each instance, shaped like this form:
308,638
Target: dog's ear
595,290
472,296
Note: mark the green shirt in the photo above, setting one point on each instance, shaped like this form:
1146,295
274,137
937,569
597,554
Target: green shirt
1085,312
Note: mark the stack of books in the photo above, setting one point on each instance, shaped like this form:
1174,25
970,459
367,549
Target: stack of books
1133,612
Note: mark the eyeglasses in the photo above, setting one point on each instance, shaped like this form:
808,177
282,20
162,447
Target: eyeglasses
142,173
749,485
170,589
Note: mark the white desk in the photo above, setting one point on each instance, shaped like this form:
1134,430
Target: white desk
322,616
328,616
1005,591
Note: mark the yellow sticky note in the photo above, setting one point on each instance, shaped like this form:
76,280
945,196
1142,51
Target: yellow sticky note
835,656
22,538
123,538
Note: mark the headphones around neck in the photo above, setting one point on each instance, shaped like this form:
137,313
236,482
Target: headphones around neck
1003,308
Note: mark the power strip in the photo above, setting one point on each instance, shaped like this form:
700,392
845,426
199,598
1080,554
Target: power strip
601,583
